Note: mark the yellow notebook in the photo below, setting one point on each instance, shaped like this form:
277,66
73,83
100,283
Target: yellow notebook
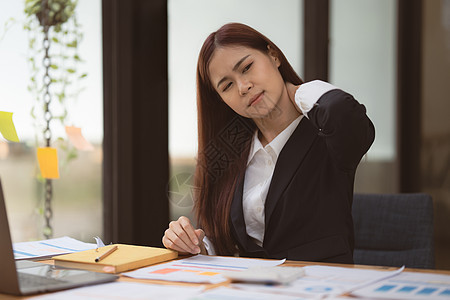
126,257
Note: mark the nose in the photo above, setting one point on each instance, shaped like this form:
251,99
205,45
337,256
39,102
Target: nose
244,86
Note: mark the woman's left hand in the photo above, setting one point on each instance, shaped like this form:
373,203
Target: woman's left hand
291,89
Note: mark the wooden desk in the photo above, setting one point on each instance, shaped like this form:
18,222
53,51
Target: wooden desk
211,286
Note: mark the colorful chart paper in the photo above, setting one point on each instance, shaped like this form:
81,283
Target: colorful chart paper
77,139
48,162
409,285
321,282
199,268
7,127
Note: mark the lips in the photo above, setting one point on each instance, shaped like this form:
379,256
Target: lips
255,99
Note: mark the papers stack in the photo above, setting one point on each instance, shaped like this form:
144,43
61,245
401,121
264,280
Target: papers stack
49,248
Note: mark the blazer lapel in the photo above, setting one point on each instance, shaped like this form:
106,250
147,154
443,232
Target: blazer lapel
291,156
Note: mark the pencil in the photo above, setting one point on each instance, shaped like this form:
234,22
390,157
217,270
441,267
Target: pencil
106,253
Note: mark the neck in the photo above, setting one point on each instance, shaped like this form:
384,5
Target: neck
276,121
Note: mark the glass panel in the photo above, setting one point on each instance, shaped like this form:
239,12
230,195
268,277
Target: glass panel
77,210
190,22
435,133
362,61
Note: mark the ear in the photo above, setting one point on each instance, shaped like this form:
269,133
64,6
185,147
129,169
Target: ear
273,55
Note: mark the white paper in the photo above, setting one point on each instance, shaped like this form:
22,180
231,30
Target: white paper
409,285
99,242
323,281
199,268
229,293
49,248
125,291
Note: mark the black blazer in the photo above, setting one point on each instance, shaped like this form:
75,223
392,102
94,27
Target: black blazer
308,205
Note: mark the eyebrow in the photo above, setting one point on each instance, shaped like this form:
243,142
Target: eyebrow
236,66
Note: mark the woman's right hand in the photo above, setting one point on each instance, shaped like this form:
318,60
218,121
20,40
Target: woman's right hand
181,236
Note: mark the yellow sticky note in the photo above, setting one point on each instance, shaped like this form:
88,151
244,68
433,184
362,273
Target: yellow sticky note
77,139
48,162
7,127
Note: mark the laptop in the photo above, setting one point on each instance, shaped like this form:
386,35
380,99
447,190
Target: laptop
30,277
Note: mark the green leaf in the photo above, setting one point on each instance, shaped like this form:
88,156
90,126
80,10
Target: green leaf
71,71
41,180
63,147
61,96
72,155
55,39
55,6
73,44
54,67
31,43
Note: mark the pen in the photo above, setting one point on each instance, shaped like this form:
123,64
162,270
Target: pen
106,254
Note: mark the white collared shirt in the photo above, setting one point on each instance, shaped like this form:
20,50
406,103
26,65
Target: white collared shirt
261,164
258,175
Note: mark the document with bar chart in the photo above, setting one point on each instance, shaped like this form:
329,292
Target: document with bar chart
199,268
324,282
409,285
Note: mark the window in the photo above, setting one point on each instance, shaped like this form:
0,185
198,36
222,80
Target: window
363,62
77,200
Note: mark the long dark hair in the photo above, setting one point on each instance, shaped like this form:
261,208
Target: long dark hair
224,137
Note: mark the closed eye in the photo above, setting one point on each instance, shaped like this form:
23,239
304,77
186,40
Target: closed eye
247,67
227,86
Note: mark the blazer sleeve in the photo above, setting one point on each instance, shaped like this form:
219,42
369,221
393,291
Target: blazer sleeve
341,120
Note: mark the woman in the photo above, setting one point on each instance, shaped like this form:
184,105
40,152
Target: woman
276,156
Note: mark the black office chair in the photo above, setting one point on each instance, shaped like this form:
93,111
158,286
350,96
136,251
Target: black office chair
393,230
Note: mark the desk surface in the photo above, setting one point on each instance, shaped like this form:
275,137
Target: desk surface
210,286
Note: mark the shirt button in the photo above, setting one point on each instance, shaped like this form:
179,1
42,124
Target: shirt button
259,209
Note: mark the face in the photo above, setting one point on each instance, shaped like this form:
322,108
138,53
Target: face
247,80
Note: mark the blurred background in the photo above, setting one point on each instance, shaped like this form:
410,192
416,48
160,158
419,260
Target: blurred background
363,59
